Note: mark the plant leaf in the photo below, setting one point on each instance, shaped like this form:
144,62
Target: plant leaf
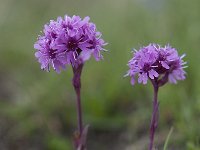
167,139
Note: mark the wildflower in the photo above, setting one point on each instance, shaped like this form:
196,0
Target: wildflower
159,65
68,41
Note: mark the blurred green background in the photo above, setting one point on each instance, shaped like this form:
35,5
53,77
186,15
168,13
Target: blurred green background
37,109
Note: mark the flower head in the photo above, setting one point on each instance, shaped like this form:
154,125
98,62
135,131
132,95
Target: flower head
68,40
156,63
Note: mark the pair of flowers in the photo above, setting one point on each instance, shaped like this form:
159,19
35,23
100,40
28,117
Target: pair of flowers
72,41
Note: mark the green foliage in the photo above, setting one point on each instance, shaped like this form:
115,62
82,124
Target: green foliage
55,142
192,146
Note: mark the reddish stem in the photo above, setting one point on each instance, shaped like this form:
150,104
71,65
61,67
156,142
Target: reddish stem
77,86
155,114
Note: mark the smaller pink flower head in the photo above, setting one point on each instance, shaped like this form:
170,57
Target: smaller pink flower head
156,62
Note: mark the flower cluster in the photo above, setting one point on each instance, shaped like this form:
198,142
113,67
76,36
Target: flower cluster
71,40
155,62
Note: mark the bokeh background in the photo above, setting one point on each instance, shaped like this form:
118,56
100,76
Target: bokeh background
37,109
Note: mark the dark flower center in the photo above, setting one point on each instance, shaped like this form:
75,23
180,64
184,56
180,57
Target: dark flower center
93,44
70,27
161,57
53,35
52,53
72,44
146,67
67,26
159,68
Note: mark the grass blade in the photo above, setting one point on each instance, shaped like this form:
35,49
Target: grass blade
168,137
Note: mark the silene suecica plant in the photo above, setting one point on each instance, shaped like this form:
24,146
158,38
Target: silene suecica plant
159,65
70,41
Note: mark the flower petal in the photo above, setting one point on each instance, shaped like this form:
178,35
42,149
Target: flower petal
152,74
164,64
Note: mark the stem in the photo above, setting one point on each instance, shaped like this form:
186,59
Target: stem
80,138
79,111
77,86
154,118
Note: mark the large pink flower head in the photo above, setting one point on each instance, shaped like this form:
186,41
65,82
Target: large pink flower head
68,41
156,63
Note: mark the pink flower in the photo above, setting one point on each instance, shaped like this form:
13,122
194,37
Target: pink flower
68,41
156,62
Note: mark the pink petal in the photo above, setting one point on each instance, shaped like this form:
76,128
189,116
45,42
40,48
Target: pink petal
152,74
38,54
172,79
143,78
164,64
56,65
37,46
85,55
132,81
